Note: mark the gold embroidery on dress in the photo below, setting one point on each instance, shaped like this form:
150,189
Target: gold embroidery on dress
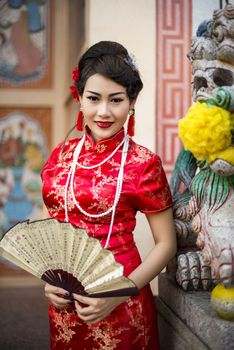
88,145
142,155
137,321
101,148
105,334
114,164
63,324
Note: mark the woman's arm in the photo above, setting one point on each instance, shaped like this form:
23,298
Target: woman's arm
163,231
162,227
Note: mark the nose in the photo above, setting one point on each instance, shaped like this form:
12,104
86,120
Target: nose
103,110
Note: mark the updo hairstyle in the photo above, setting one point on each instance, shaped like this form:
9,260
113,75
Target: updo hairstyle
111,60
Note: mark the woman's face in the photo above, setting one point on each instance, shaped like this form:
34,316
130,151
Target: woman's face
105,105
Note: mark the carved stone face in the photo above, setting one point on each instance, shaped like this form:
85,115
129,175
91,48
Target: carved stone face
210,75
212,60
212,56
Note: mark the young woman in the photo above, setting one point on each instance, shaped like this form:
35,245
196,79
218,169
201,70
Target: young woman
98,183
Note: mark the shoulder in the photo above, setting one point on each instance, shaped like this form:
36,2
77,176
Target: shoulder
68,144
62,153
65,149
142,155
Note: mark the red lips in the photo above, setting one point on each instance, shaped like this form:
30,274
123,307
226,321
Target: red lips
104,125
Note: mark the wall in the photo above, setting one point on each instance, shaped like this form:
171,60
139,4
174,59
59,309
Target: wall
134,27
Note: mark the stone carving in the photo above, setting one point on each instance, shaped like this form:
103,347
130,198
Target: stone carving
203,189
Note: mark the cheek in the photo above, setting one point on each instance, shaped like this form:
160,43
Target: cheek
123,115
121,120
88,119
89,112
125,119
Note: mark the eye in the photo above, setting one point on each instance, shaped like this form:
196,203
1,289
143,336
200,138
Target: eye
116,100
92,98
223,77
199,82
219,31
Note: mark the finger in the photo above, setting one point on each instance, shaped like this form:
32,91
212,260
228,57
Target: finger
56,300
86,300
85,311
58,306
55,290
81,298
90,317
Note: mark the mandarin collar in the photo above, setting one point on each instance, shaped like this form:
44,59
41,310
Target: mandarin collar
104,145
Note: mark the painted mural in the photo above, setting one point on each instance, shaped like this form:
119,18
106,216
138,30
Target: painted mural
23,152
24,41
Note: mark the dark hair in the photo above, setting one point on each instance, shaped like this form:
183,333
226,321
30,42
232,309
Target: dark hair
111,60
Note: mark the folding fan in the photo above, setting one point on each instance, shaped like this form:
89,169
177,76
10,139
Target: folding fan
66,257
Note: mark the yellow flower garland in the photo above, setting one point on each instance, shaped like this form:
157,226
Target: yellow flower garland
227,154
206,132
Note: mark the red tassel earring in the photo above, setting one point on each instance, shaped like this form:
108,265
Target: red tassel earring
79,124
131,123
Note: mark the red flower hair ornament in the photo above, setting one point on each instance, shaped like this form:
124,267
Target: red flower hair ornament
73,88
75,94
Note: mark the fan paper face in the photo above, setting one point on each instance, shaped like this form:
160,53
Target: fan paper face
66,257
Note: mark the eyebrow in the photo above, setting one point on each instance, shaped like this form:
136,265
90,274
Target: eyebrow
111,95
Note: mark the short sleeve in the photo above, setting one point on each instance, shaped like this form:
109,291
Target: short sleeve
153,192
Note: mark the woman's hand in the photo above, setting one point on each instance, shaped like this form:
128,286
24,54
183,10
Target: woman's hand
92,310
56,296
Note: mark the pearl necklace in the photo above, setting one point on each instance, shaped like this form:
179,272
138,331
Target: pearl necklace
102,162
70,182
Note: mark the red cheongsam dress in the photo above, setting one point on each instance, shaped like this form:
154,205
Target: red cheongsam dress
132,325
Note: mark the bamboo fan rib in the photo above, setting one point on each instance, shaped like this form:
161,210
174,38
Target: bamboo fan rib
66,257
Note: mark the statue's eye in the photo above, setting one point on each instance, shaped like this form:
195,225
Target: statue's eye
199,82
219,32
223,77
